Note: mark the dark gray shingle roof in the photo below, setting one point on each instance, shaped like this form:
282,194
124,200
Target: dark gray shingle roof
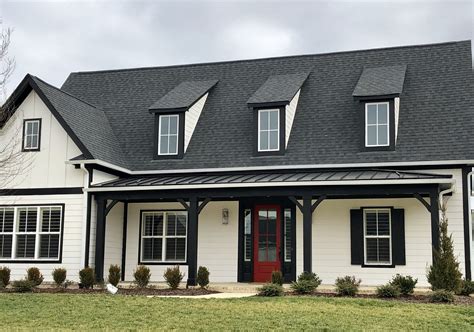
435,120
278,89
380,81
184,95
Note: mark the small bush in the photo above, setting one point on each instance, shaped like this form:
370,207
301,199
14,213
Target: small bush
442,296
347,286
467,288
59,276
34,275
114,275
173,277
23,286
309,276
142,276
87,277
270,290
406,284
303,286
277,278
388,290
203,277
4,276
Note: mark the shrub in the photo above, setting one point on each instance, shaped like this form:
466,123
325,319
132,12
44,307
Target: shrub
34,275
467,288
347,286
203,277
270,290
309,276
173,277
142,276
406,284
388,290
4,276
87,277
444,273
307,283
23,286
59,276
277,278
114,275
442,296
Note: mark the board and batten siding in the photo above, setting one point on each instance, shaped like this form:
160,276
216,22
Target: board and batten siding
72,235
46,168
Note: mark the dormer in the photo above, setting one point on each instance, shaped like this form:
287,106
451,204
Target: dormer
274,107
378,92
176,117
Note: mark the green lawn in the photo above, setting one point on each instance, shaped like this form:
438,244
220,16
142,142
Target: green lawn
61,311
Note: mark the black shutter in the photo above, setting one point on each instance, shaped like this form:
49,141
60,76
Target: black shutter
398,237
357,237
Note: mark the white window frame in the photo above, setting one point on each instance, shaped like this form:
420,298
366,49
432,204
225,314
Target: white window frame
37,233
26,135
376,125
169,116
164,237
267,131
389,236
248,212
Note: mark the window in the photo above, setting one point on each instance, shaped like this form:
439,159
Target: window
377,237
269,130
168,135
376,124
248,235
287,234
30,232
164,236
31,135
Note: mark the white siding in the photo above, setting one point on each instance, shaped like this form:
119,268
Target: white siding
290,116
47,167
397,115
191,119
72,235
113,238
99,177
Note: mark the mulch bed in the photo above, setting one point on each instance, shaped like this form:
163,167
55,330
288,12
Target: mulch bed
415,298
122,291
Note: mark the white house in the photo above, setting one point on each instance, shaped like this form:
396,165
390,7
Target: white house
331,163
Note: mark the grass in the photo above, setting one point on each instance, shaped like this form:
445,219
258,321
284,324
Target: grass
62,311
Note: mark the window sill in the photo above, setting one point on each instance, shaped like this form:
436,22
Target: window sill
164,263
31,261
389,266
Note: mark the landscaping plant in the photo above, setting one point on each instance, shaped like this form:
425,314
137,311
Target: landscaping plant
203,277
444,273
142,276
442,296
406,284
114,275
270,289
173,277
347,286
306,283
277,278
34,275
23,285
389,291
4,276
59,276
87,277
467,288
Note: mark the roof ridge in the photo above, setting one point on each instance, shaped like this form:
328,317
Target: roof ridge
268,58
67,93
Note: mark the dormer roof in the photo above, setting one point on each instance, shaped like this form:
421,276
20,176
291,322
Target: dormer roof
384,81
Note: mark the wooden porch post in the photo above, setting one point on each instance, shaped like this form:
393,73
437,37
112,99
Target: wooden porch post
192,240
307,233
434,202
100,239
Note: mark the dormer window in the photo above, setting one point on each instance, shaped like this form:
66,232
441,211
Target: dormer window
268,130
168,135
31,134
377,124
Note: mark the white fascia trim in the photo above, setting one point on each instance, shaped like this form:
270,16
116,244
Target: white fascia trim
266,168
273,184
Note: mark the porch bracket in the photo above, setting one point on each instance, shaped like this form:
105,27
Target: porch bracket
318,201
203,204
298,204
110,206
183,203
423,201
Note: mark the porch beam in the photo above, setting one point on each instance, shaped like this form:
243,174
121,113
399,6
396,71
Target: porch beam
434,200
423,201
100,239
192,253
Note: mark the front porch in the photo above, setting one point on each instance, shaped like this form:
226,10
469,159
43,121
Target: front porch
309,226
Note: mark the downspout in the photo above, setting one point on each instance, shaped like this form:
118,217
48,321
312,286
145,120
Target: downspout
85,221
450,190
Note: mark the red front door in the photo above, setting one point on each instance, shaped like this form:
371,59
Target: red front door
266,242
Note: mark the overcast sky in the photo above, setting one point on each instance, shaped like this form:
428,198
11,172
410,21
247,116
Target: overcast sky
52,39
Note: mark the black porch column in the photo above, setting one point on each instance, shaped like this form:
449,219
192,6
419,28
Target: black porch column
434,202
192,241
307,233
100,240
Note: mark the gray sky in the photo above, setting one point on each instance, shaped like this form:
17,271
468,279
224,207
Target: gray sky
52,39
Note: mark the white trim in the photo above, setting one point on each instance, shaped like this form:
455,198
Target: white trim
389,236
377,124
26,135
169,116
274,184
269,130
279,167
